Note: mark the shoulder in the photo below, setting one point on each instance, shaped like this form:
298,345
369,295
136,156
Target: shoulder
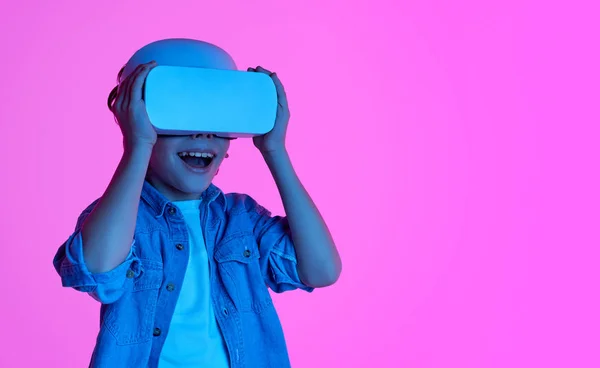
242,202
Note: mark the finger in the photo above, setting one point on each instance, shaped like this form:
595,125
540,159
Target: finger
120,74
281,95
127,88
112,96
123,92
138,84
263,70
118,97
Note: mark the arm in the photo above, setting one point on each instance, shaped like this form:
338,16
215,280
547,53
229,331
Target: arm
100,262
319,262
99,257
117,210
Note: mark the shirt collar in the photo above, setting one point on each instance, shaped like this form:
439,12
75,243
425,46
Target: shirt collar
157,201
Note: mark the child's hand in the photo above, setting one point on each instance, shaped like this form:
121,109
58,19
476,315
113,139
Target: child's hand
275,139
130,110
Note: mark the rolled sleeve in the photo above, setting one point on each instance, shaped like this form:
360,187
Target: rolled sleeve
279,264
105,287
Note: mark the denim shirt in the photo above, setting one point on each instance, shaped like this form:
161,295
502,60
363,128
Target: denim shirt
249,251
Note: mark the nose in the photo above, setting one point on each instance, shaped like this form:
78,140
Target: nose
203,135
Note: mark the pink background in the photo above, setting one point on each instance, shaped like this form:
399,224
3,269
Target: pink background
452,147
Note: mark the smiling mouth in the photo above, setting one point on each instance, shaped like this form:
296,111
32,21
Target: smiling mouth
197,160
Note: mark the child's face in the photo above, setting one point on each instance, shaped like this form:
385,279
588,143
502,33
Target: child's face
169,173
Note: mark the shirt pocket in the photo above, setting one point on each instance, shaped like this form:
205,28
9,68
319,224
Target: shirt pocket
130,319
238,263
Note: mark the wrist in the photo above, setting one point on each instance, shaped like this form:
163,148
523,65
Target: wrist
274,152
138,149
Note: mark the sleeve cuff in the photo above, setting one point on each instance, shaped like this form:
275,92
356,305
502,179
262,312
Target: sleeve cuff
105,286
284,275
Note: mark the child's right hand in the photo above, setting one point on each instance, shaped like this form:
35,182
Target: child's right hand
130,110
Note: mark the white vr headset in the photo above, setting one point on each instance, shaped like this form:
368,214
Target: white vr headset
196,88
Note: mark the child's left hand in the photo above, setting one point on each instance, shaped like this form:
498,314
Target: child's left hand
274,140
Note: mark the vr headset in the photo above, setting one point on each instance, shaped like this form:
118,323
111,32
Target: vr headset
196,88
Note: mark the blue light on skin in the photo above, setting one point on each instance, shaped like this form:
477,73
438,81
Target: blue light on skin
166,170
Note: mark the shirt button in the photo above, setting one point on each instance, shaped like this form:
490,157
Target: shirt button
247,253
179,247
130,274
170,287
172,210
156,332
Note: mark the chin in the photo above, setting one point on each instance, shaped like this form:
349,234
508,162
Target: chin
196,182
191,186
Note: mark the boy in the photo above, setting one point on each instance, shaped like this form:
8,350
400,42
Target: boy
181,268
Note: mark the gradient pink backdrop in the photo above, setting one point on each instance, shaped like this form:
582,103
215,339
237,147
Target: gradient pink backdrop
452,147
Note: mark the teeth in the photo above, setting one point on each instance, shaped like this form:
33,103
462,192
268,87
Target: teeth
196,154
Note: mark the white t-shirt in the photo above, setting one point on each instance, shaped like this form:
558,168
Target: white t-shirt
194,338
